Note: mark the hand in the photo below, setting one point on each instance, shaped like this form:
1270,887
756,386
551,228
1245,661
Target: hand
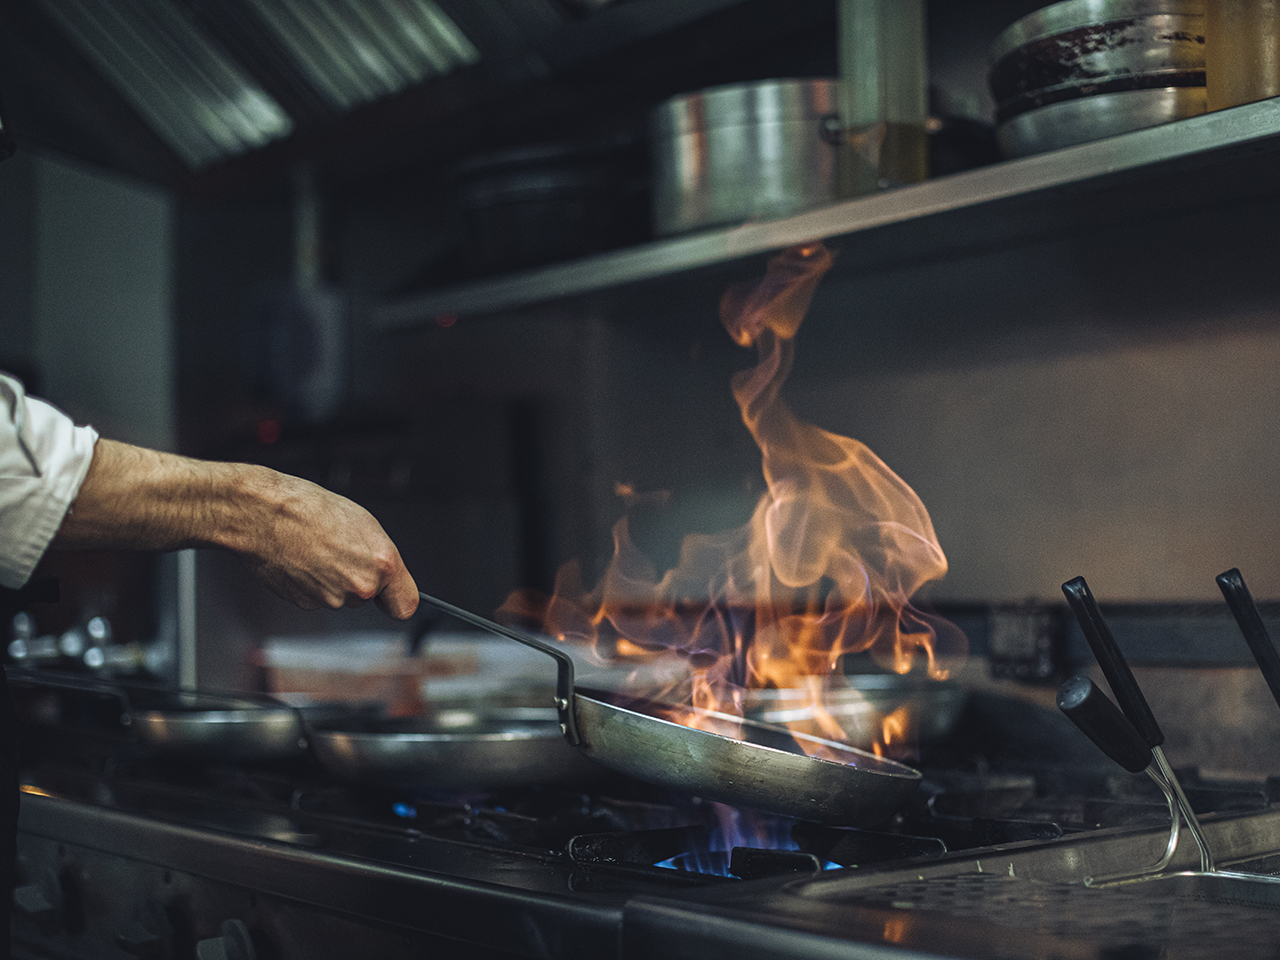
319,549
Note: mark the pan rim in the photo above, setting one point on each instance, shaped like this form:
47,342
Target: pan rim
877,766
365,735
523,729
206,717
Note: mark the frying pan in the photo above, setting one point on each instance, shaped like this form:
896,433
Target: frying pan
182,724
740,762
460,748
204,725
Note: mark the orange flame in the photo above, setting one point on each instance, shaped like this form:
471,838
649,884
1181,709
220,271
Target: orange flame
826,567
896,928
894,727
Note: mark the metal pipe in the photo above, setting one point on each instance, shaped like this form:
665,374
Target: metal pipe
1206,855
187,660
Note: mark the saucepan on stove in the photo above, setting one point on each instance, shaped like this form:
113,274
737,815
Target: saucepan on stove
725,758
860,704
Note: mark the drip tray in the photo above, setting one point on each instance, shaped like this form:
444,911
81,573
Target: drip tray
1036,893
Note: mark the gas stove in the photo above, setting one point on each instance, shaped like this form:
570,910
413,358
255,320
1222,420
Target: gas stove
126,855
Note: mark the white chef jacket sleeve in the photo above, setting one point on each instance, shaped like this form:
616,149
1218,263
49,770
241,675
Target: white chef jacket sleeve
44,457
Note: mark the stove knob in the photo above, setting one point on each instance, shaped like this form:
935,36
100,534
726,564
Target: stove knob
40,899
32,900
149,935
138,940
233,943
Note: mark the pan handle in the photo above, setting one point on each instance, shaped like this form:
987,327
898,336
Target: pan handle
1112,661
1102,722
57,680
1243,608
564,663
1134,705
127,692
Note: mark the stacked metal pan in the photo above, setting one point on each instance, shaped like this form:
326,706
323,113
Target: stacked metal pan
1082,70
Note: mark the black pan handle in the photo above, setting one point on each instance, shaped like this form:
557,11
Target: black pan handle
57,680
564,663
1114,666
1240,600
1102,722
130,693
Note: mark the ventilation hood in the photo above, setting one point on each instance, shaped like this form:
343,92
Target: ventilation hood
186,92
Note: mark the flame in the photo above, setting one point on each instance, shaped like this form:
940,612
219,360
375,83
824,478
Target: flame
894,727
826,567
896,928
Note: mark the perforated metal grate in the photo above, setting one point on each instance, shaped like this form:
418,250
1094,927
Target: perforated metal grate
1152,920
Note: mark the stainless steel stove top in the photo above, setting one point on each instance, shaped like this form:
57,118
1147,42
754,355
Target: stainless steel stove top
120,851
1025,899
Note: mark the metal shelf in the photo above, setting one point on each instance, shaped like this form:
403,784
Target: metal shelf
1202,159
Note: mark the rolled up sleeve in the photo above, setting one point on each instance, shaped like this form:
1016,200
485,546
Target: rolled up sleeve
44,458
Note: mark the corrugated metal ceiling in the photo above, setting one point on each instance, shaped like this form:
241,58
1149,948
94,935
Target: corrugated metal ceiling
198,99
356,51
172,61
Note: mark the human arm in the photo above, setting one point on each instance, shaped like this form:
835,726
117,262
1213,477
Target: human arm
43,461
309,545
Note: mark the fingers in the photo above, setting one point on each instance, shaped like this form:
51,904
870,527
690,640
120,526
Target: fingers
396,593
399,598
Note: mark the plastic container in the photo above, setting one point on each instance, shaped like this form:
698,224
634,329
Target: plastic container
357,669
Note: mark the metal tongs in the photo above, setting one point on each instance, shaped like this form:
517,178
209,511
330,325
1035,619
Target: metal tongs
1131,738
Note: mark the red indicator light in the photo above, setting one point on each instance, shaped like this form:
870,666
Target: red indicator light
269,431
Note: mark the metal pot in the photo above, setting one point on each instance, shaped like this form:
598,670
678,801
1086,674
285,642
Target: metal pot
1081,70
523,208
747,151
861,705
1069,122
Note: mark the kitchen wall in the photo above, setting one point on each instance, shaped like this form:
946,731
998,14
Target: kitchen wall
1102,403
86,319
1147,467
17,253
85,294
1099,402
